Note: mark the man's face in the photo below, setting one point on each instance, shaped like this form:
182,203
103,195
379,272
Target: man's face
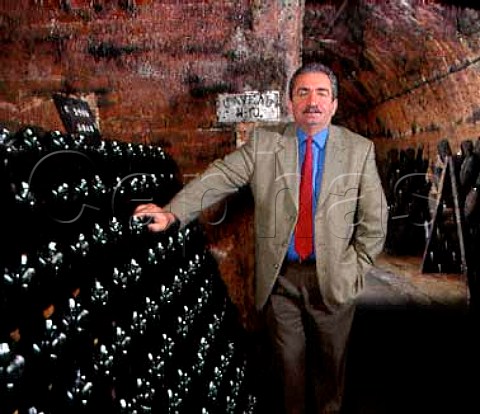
312,103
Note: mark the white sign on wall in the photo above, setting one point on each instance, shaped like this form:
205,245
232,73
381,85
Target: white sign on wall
251,106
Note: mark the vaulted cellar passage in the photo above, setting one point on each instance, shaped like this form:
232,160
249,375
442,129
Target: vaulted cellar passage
152,73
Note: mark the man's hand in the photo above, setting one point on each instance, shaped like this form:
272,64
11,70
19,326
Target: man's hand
160,219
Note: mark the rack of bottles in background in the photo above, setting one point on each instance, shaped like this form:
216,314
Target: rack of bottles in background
96,312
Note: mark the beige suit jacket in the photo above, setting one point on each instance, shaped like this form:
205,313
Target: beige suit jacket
351,215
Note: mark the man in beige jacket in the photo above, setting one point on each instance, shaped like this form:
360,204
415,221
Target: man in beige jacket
307,298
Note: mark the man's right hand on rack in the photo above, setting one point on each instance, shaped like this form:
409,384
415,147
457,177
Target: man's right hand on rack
160,219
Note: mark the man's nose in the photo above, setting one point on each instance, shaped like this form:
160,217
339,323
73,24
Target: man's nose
312,99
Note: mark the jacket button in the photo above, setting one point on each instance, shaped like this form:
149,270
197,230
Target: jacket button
276,266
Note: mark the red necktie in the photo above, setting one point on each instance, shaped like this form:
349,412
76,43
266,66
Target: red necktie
304,230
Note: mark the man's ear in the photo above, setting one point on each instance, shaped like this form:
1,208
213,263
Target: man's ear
335,106
289,106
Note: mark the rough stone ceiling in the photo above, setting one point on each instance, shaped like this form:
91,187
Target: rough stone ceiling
382,50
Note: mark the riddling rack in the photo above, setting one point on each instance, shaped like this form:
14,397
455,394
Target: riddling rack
97,313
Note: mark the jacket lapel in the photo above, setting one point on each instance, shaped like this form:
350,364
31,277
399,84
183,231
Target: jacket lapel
334,163
287,161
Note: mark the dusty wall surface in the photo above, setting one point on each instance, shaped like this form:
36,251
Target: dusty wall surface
409,71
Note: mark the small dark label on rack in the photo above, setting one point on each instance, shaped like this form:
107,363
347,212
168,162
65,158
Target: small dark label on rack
76,115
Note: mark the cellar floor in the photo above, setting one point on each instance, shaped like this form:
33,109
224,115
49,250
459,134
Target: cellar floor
398,280
412,347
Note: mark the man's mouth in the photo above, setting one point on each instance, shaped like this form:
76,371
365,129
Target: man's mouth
312,110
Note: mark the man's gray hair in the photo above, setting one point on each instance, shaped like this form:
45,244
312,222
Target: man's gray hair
314,67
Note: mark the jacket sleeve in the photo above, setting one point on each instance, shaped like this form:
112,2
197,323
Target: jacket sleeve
222,178
372,214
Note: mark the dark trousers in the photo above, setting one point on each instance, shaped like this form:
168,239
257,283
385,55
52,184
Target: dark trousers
309,342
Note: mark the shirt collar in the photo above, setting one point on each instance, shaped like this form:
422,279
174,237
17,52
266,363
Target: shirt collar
320,138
